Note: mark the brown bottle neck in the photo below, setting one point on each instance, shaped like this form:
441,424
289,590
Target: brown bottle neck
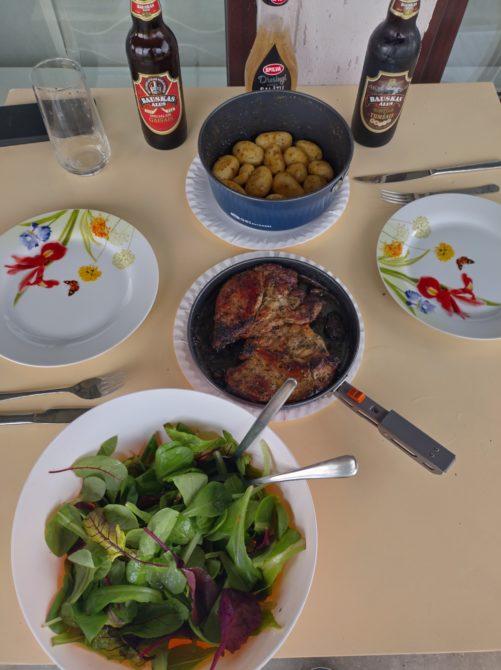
146,14
403,12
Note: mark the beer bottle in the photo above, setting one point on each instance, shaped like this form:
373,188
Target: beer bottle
389,64
153,57
271,65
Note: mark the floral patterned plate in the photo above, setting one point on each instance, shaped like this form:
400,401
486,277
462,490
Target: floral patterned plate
74,283
440,259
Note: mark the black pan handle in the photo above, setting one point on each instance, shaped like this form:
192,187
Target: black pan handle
420,446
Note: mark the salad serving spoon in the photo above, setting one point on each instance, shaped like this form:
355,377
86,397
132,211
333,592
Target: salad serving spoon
266,415
341,466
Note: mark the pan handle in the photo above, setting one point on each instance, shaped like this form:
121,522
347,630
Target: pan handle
420,446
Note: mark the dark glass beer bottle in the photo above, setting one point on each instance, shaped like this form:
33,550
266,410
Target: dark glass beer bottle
153,57
389,64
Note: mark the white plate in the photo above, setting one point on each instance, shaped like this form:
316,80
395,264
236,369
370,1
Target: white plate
74,284
208,212
197,378
440,259
134,418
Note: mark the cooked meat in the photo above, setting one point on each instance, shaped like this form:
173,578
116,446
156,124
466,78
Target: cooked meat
298,342
256,301
263,372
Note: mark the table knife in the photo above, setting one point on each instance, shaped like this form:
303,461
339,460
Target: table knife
65,415
416,174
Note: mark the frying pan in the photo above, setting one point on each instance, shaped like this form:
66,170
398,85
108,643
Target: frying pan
339,325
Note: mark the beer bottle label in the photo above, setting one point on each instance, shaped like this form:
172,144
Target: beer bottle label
272,74
382,100
159,101
405,9
145,9
275,3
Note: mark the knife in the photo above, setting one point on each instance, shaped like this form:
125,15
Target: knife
65,415
416,174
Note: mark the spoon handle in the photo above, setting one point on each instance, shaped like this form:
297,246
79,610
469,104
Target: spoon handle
274,404
342,466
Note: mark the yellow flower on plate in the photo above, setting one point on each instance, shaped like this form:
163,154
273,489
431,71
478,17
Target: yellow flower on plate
444,252
394,249
99,227
89,272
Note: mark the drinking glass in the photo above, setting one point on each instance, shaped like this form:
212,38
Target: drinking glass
75,130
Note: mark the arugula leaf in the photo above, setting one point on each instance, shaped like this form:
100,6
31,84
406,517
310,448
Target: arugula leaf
189,484
247,571
272,561
98,599
210,501
108,446
196,444
63,528
157,619
171,457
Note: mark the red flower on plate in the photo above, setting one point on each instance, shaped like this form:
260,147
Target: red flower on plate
52,251
433,289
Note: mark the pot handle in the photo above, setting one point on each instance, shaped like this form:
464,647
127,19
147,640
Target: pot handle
420,446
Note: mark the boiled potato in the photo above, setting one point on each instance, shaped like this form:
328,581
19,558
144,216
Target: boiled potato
260,182
314,182
298,170
295,155
312,150
225,167
244,173
275,196
285,184
322,169
233,185
273,159
278,137
248,152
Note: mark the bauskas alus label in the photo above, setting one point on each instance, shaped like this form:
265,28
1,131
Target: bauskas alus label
145,9
382,100
158,98
272,74
405,9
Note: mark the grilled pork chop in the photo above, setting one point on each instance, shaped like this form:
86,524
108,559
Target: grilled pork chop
290,351
256,301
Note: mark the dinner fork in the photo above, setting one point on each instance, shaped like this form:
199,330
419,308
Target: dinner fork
399,198
88,389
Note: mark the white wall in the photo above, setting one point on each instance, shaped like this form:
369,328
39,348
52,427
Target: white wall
331,36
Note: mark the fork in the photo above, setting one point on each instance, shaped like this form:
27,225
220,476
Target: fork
399,198
88,389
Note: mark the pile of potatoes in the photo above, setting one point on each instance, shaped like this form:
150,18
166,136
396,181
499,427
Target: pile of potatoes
273,167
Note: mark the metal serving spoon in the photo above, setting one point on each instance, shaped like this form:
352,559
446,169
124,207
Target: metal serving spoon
266,415
342,466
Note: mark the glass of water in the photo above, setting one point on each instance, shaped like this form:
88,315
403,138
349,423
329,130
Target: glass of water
70,115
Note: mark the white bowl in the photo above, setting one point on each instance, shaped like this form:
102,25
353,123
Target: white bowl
134,418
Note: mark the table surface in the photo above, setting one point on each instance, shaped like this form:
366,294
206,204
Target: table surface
408,562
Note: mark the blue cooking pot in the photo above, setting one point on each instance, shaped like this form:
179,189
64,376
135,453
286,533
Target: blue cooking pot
305,117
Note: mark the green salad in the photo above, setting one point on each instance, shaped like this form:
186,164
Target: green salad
170,556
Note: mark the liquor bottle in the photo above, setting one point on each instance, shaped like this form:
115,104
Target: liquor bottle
389,64
153,57
272,65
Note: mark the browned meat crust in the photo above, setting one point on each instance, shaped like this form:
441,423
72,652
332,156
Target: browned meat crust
267,309
263,372
256,301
